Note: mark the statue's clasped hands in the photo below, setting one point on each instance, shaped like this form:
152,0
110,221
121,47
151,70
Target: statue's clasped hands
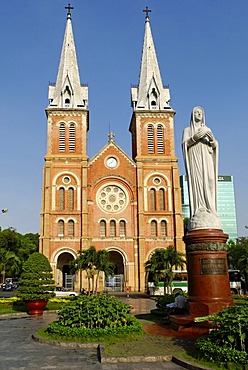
203,132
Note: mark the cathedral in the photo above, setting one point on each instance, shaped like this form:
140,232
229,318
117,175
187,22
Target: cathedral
127,205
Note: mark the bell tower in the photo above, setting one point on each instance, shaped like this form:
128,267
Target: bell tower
64,201
160,217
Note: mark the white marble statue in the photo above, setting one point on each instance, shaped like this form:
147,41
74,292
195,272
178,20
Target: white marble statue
200,150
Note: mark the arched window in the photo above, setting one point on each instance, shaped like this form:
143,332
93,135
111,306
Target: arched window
67,96
153,104
150,139
71,199
122,228
153,98
153,200
160,139
61,228
62,137
71,228
154,229
61,199
72,129
112,228
102,228
163,228
161,199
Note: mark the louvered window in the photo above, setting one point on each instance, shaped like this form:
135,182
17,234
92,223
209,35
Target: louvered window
150,139
61,227
102,228
61,199
112,230
160,139
162,199
153,200
154,229
62,137
72,130
71,228
122,228
71,199
163,228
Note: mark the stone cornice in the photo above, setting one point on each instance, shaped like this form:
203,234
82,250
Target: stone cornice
66,112
211,247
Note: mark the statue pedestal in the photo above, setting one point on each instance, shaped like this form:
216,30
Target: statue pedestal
208,280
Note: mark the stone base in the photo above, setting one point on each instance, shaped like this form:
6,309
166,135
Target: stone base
186,324
200,307
208,280
205,236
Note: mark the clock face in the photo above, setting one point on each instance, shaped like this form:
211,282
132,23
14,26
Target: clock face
111,162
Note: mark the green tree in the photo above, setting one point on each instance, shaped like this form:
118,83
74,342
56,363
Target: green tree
21,246
92,262
103,264
238,256
12,239
186,224
9,261
86,261
36,279
161,264
29,243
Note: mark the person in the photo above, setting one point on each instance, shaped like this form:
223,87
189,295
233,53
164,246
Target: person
177,307
200,152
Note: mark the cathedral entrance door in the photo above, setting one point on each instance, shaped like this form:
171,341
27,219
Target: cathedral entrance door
116,283
64,278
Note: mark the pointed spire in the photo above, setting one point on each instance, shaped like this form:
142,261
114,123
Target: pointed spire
68,92
150,93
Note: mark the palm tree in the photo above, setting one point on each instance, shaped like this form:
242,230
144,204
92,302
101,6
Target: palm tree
103,264
85,262
161,264
92,262
7,258
174,259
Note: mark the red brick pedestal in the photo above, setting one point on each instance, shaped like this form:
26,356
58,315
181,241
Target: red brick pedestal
208,280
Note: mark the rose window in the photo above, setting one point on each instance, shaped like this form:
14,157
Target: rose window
112,198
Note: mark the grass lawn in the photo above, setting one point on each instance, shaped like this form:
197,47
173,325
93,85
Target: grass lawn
12,305
131,344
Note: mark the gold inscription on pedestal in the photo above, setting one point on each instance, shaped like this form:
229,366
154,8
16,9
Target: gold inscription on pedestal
213,266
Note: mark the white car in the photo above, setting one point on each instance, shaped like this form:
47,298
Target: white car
62,292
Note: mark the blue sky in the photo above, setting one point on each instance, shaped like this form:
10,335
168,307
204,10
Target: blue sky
202,49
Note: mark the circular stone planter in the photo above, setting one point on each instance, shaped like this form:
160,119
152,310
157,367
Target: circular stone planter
36,307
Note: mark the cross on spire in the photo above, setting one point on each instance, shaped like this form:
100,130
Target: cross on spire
147,11
69,7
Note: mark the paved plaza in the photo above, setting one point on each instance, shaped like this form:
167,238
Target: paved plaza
19,351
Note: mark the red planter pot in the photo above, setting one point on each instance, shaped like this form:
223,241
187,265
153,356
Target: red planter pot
36,307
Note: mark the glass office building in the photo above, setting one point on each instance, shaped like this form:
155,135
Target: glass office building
226,203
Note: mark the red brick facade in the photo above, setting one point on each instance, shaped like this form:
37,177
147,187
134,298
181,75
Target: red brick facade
128,206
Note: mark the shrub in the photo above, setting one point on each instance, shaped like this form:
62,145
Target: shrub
83,332
91,315
229,341
36,279
162,301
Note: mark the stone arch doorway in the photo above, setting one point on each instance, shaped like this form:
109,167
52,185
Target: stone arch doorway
117,282
117,259
64,278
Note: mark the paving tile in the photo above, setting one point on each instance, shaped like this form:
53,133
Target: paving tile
18,351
